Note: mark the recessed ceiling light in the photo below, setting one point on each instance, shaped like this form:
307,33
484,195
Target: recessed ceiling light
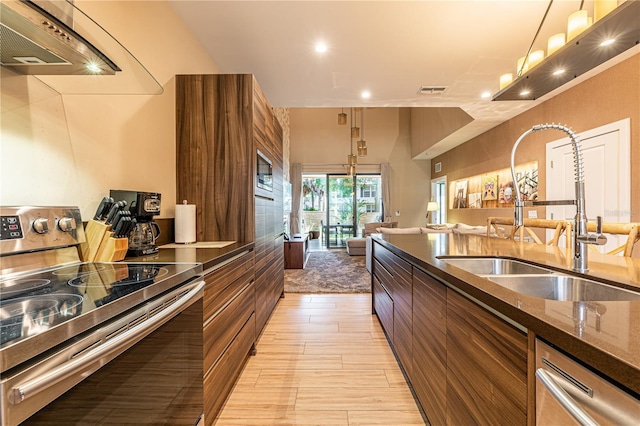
365,94
524,92
486,95
608,42
321,47
558,72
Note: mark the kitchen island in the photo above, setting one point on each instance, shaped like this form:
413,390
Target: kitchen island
607,340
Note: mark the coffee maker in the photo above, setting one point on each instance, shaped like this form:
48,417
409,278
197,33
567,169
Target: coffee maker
143,207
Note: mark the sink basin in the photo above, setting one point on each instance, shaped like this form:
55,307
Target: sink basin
564,288
495,266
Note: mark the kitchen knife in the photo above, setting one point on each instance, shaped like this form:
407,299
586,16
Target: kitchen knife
112,213
119,227
106,209
129,224
100,208
116,219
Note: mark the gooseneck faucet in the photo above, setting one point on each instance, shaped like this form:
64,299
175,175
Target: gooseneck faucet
580,235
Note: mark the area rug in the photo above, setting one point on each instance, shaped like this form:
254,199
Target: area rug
331,271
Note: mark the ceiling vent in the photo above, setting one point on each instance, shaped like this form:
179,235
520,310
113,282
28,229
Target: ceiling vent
431,90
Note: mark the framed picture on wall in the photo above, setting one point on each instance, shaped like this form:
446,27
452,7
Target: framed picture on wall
506,193
460,199
489,187
475,200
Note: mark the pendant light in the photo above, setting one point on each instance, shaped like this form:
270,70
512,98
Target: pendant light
342,118
352,160
355,130
362,144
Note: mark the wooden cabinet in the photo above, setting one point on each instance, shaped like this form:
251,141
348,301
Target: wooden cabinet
229,328
383,306
395,275
466,365
215,155
222,120
296,252
429,378
486,366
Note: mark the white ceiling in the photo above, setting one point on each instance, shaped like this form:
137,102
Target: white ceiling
390,48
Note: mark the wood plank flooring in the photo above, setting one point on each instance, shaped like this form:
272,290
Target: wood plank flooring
322,360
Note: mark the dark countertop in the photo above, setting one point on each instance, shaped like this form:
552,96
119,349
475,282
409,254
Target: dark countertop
208,257
613,348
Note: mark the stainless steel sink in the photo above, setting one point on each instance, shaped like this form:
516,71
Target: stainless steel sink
495,266
563,288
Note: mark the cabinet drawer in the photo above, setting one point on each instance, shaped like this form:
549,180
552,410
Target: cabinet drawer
219,381
393,263
383,306
383,276
224,283
221,329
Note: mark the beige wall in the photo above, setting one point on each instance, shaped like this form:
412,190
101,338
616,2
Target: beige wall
609,96
316,139
71,149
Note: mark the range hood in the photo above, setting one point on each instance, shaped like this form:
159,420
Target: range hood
58,44
38,38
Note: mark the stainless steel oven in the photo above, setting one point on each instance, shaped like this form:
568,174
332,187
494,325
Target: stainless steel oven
94,343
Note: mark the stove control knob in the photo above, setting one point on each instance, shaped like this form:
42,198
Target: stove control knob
41,225
66,224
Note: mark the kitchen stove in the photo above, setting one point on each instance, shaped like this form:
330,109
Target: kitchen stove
54,307
33,303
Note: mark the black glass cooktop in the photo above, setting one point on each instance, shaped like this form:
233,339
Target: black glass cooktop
31,304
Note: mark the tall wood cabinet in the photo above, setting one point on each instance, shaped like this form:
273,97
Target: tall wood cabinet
222,121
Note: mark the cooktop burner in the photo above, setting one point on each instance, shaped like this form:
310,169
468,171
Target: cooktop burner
32,303
26,316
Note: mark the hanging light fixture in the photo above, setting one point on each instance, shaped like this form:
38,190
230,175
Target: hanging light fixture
342,118
352,160
362,144
355,130
576,53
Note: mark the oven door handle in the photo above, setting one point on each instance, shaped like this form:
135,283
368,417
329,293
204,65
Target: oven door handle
564,399
93,359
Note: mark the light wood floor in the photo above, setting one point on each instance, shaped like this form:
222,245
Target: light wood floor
322,360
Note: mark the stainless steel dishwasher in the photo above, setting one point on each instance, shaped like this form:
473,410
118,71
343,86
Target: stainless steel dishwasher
569,394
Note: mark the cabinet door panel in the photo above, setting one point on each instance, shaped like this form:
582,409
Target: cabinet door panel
429,374
220,380
383,306
486,366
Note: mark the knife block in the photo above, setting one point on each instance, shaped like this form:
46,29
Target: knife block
100,246
94,234
111,249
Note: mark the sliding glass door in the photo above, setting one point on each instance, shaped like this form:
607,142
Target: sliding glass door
336,207
340,222
368,200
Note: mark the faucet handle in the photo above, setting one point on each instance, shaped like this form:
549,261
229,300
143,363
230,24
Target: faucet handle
599,224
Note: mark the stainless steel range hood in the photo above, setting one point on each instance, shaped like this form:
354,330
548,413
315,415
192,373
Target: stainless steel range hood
38,37
55,42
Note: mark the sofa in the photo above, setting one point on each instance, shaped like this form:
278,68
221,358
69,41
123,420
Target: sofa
356,246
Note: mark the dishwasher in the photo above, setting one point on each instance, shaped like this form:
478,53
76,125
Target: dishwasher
569,394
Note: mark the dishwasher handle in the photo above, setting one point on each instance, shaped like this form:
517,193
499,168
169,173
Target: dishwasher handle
118,344
564,399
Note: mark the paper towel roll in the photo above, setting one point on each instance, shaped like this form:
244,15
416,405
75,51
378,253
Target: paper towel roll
185,223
